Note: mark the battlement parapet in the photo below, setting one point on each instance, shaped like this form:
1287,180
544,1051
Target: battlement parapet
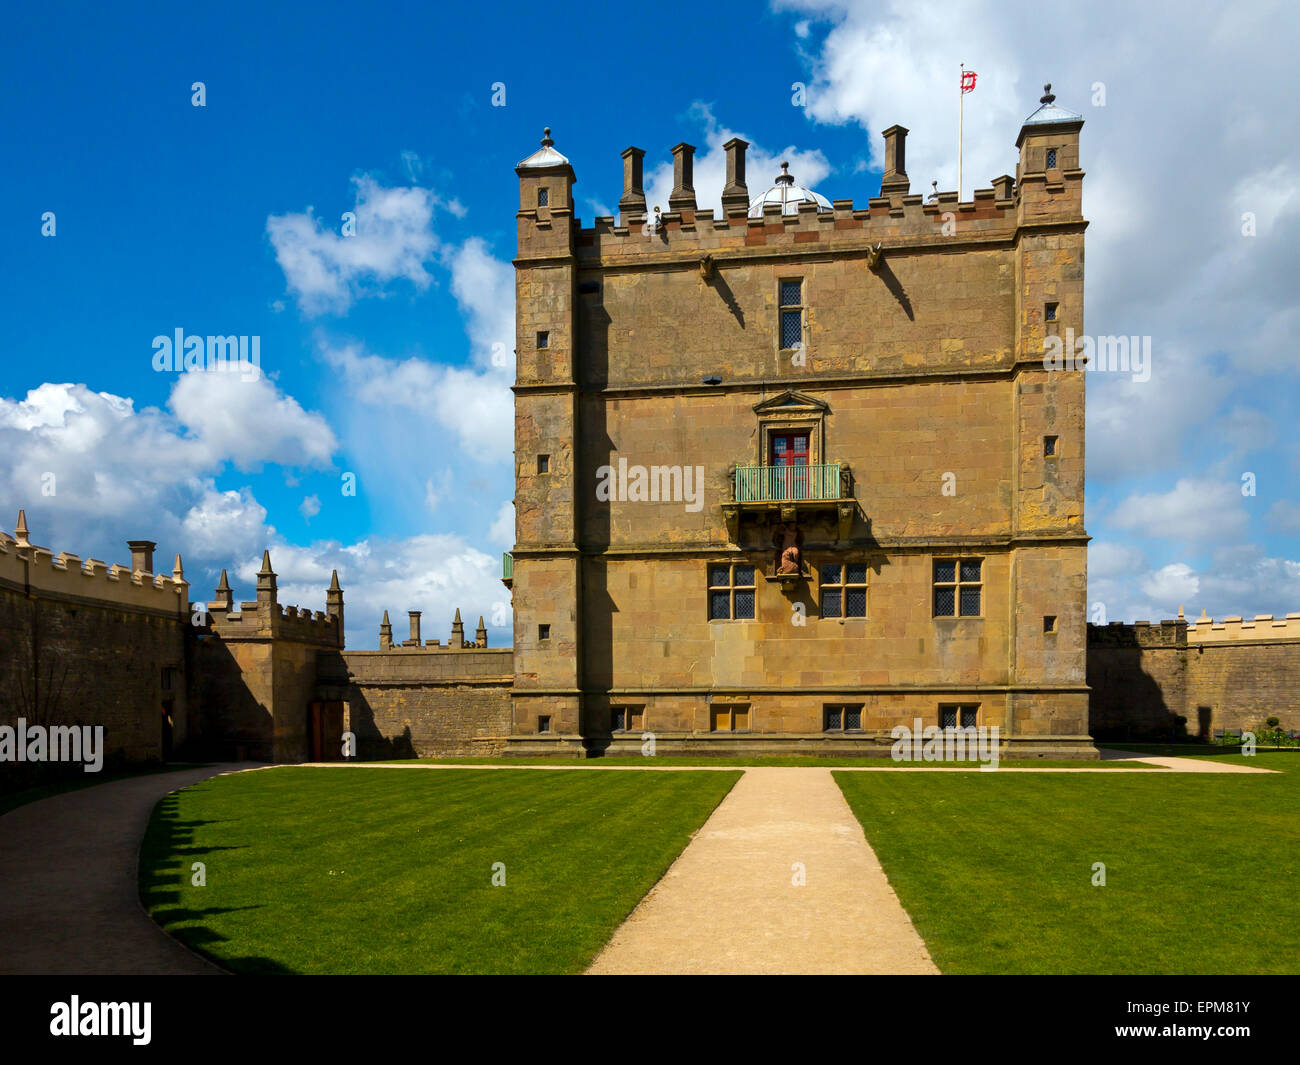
1205,630
1142,634
908,221
38,571
264,618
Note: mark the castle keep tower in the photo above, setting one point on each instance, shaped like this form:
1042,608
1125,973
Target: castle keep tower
795,474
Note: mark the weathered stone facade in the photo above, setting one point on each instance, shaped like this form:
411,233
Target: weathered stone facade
917,384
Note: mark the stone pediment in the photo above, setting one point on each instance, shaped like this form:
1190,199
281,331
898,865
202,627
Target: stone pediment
791,402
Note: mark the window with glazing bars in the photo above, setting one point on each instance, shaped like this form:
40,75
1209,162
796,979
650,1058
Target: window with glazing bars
843,718
731,591
844,590
957,584
959,716
791,314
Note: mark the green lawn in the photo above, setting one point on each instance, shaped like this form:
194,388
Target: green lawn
821,760
996,869
316,870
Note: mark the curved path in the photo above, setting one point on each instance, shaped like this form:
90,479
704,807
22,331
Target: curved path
70,902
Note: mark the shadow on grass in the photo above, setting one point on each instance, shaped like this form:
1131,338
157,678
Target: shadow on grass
167,854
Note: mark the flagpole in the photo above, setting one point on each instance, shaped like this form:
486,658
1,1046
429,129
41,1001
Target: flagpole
961,122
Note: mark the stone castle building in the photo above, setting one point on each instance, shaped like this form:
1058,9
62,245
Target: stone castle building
786,476
887,519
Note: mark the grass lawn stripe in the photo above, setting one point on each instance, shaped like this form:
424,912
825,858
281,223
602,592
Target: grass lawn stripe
996,869
341,870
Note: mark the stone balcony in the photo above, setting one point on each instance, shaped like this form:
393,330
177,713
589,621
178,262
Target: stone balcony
789,493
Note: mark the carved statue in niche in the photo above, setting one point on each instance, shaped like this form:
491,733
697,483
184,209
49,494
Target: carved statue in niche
788,541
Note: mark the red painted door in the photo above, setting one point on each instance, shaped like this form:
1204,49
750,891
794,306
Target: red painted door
790,449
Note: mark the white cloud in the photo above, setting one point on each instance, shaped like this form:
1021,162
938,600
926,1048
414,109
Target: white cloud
224,525
309,507
326,270
1284,516
1195,510
484,286
503,527
1176,582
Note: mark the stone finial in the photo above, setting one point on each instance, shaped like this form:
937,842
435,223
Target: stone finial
224,597
457,631
682,198
1180,612
1048,96
480,634
385,633
178,570
334,600
334,582
266,586
20,530
735,193
546,138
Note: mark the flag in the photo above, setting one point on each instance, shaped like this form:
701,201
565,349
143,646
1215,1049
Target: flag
967,81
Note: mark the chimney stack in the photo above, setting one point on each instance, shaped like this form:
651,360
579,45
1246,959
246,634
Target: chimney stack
414,641
735,194
895,177
632,203
682,197
141,555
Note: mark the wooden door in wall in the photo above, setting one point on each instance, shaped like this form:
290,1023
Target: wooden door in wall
325,731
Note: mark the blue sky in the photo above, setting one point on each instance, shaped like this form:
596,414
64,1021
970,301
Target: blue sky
376,350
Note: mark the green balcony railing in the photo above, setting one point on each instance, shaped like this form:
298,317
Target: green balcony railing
507,566
788,484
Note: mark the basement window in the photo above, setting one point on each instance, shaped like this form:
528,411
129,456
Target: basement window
842,718
729,718
959,716
626,718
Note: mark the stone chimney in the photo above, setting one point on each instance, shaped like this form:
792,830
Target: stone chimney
225,598
414,641
334,600
267,596
385,634
141,555
632,202
682,198
480,634
735,194
895,177
457,631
